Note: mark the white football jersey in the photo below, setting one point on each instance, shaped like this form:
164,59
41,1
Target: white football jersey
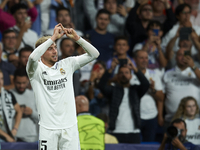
54,93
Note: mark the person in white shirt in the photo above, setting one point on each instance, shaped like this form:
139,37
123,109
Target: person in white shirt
179,82
183,13
27,36
150,106
28,128
53,87
188,110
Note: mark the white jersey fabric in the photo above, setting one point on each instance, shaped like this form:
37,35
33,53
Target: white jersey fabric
53,86
193,130
125,122
179,84
148,108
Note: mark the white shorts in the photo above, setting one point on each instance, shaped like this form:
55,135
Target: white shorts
59,139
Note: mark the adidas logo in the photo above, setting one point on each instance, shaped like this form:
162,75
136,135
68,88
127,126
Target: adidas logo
44,72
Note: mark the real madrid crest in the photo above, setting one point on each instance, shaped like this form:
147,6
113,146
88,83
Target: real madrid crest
62,71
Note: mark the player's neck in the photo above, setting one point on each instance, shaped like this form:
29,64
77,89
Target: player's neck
48,64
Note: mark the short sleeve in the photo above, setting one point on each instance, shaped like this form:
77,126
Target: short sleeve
14,101
158,83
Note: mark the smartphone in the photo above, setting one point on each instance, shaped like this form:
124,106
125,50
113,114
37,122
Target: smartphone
184,33
27,19
188,52
156,31
123,62
96,67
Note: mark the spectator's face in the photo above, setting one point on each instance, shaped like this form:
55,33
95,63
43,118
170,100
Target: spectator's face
24,58
158,6
151,33
9,41
21,83
186,44
184,16
1,80
190,108
64,18
67,48
101,71
124,75
121,47
102,21
50,57
181,127
111,6
20,15
179,58
146,13
141,60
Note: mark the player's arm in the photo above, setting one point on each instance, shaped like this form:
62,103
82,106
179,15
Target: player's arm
40,50
91,52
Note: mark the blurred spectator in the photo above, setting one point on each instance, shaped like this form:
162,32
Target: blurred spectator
188,110
152,45
121,48
28,128
27,36
63,17
23,56
179,142
9,109
9,44
163,13
183,13
138,20
179,82
148,109
109,139
96,98
46,14
118,15
100,33
13,59
91,132
8,72
7,20
189,42
67,48
124,102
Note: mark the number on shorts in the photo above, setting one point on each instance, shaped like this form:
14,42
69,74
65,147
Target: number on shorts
43,145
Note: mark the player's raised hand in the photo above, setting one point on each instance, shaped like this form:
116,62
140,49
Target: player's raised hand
58,32
71,33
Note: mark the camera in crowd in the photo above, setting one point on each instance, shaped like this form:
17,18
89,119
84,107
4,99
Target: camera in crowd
173,132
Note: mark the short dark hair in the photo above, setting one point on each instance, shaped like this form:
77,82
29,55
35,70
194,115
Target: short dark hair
18,6
103,117
152,23
121,38
100,62
20,72
103,11
135,54
180,8
60,9
25,49
179,120
7,31
63,39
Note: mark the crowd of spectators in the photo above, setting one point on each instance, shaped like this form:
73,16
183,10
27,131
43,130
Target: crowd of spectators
147,74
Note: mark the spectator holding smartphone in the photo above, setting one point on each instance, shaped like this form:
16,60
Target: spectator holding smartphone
152,45
183,13
121,47
96,98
